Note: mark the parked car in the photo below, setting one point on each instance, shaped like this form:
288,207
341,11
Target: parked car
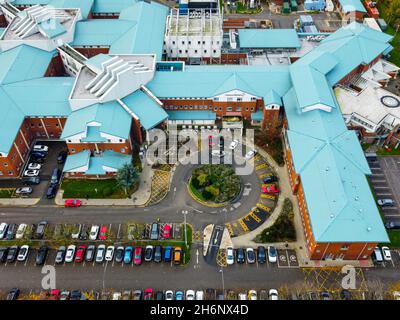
167,254
190,295
40,230
12,254
392,225
126,295
51,191
23,253
21,231
234,144
62,156
137,259
110,253
103,233
270,179
158,254
148,294
148,253
31,173
41,255
199,295
270,189
263,294
119,254
250,154
76,231
34,166
13,294
177,255
273,294
137,295
90,251
40,148
154,231
38,156
12,229
60,255
72,203
31,181
101,250
252,295
386,202
230,256
169,295
325,295
76,295
70,254
64,295
240,255
386,253
159,295
251,256
80,254
261,255
167,231
3,230
345,294
3,254
23,191
210,294
128,254
377,255
272,254
94,231
218,153
55,294
179,295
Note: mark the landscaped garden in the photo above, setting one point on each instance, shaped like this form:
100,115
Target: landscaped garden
6,193
216,183
92,189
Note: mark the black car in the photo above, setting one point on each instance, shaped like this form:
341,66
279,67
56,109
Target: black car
13,294
51,191
62,156
240,255
31,181
55,176
75,295
119,254
3,254
84,235
392,225
345,294
261,254
38,155
40,229
12,254
210,294
12,228
41,255
159,295
270,179
148,253
158,254
90,252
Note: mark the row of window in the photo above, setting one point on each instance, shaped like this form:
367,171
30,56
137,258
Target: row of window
362,122
100,150
190,42
207,108
186,51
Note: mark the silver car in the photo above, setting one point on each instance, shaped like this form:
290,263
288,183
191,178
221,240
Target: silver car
101,251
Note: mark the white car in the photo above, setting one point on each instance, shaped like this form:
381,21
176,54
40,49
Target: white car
70,254
252,295
273,294
250,154
21,231
31,173
110,253
233,144
189,294
78,231
169,295
23,253
34,166
199,295
23,191
101,249
272,254
230,256
242,296
3,230
386,254
218,153
94,231
40,147
117,296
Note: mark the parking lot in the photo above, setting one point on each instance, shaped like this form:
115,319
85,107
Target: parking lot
386,184
394,263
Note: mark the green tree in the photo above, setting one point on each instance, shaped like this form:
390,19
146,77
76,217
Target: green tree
393,12
127,176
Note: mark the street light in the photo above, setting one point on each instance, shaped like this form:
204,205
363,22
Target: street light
185,212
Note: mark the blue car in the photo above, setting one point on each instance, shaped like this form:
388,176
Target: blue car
167,254
179,295
128,255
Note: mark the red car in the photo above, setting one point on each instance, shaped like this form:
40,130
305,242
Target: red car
270,189
210,140
80,254
102,233
167,231
148,294
72,203
137,258
55,294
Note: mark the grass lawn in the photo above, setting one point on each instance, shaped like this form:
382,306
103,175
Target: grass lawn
95,189
385,152
394,236
6,193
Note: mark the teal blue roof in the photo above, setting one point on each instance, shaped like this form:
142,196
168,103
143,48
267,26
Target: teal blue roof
113,120
268,38
352,6
97,61
93,135
272,98
84,5
191,115
111,6
150,114
96,165
51,28
257,116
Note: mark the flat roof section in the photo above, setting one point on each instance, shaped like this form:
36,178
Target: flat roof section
268,38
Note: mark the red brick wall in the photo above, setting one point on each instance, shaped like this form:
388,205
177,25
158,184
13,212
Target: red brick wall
3,21
90,52
117,147
55,68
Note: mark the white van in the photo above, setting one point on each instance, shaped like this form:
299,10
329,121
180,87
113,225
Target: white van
377,255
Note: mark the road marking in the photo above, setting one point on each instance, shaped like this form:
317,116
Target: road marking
389,208
383,194
119,229
391,215
381,187
377,181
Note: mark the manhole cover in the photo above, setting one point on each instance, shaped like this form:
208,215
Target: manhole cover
390,101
